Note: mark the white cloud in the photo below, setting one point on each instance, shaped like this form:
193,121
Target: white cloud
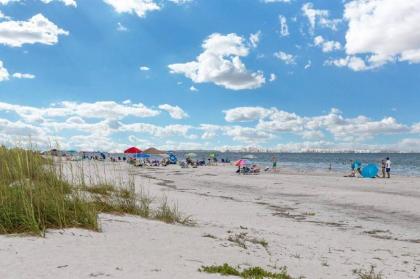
242,114
220,63
66,2
193,89
319,17
353,62
138,7
308,65
386,30
37,29
3,16
174,111
273,77
5,2
181,2
101,110
4,74
254,39
285,57
345,129
25,76
327,46
121,27
144,68
284,28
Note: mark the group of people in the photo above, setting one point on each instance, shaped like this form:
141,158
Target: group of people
356,168
386,167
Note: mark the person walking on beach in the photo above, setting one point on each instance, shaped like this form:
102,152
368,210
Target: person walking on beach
388,167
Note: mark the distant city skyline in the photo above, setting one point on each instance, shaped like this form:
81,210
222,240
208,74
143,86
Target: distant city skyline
279,75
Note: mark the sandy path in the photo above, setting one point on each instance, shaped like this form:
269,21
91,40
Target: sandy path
319,226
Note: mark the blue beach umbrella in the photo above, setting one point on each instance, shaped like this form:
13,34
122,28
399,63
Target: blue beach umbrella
370,171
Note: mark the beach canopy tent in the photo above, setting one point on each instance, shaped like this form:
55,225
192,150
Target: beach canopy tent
370,171
356,164
154,151
141,156
132,150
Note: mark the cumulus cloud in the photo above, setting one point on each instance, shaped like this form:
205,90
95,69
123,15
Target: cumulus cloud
242,114
102,109
220,63
138,7
384,30
327,46
272,120
37,29
353,62
285,57
144,68
174,111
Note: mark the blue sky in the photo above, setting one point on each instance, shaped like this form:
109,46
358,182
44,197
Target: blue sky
284,75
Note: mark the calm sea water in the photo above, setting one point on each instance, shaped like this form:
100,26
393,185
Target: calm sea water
402,164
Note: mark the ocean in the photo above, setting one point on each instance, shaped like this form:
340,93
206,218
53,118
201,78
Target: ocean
405,164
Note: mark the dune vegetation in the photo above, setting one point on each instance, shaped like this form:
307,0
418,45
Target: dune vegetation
35,196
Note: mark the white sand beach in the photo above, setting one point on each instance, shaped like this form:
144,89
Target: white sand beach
318,225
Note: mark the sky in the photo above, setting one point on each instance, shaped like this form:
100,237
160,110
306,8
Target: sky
281,75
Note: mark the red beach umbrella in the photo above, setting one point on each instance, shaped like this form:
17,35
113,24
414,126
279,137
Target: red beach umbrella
132,150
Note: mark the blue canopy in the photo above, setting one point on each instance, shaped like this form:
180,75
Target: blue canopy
141,156
356,164
370,171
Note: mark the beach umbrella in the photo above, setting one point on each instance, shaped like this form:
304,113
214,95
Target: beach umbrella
132,150
172,158
370,171
242,162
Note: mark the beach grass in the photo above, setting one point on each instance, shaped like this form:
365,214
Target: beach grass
367,274
33,196
248,273
36,195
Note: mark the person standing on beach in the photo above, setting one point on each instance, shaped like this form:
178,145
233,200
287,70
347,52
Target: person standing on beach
388,167
383,166
274,160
